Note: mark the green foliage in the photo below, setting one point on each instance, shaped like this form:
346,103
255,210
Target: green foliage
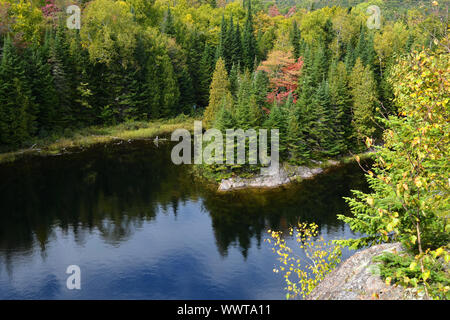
410,198
404,270
363,91
17,109
220,91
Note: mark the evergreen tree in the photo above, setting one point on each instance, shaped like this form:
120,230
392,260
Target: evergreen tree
221,48
42,87
220,92
247,114
340,101
17,121
236,46
206,68
168,26
234,76
363,91
227,54
57,58
195,49
279,119
224,119
295,39
322,128
249,41
349,56
260,87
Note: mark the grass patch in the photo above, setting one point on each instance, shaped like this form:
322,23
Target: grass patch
83,138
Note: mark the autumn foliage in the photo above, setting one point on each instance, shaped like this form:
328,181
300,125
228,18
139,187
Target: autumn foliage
273,11
283,71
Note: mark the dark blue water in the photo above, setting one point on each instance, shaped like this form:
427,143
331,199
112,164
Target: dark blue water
140,227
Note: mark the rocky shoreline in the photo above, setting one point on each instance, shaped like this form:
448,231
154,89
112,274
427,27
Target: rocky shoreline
284,175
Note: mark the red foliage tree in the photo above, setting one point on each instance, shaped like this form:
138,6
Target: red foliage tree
283,72
273,11
50,9
291,12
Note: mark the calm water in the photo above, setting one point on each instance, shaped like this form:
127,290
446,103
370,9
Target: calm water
139,227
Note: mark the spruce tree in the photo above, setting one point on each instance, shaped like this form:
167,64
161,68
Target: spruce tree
195,49
42,87
220,91
363,91
340,101
236,46
249,41
295,39
260,87
168,26
207,65
17,121
247,114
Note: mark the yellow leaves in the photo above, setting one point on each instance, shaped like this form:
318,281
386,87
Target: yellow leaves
418,182
370,201
438,252
388,281
321,256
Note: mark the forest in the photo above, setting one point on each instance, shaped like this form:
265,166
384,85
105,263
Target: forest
320,76
333,82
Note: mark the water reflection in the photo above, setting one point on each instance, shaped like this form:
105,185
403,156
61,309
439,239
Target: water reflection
127,211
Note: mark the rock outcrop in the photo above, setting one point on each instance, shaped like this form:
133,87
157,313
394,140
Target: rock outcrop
284,175
358,279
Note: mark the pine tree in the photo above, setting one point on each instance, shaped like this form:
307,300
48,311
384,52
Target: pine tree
363,91
57,61
220,91
206,69
236,46
249,41
168,26
349,56
340,101
247,114
83,96
227,54
260,87
42,87
234,76
221,48
295,39
17,121
224,119
323,131
279,119
296,140
170,93
195,49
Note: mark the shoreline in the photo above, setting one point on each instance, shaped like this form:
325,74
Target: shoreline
286,175
90,136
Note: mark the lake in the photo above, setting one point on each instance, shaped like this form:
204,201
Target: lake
140,227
